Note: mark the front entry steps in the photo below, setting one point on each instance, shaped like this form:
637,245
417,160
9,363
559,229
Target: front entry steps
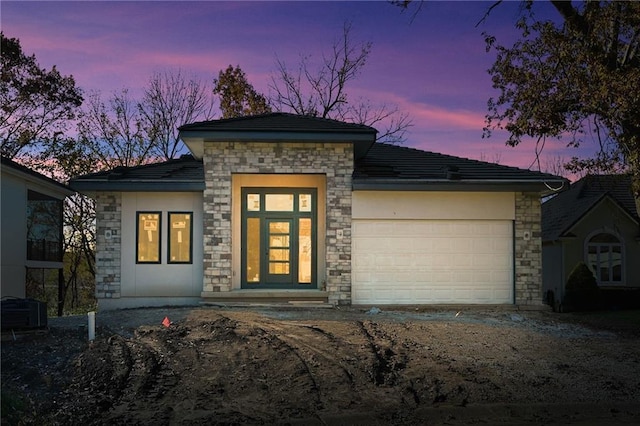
302,298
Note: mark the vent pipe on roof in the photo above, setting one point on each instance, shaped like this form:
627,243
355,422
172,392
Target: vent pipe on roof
453,173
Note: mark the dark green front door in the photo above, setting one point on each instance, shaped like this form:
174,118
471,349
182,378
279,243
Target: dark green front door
279,238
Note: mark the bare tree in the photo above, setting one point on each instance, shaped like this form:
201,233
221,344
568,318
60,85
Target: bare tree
323,92
113,132
171,100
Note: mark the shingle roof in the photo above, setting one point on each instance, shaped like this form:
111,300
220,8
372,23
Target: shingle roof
181,174
7,162
395,167
277,127
386,167
278,122
561,212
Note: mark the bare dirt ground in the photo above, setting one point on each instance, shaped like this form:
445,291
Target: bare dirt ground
324,366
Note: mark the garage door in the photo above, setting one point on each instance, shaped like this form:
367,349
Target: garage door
432,261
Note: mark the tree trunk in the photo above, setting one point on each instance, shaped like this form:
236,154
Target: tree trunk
61,292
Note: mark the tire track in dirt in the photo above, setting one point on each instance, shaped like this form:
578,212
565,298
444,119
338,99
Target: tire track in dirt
388,361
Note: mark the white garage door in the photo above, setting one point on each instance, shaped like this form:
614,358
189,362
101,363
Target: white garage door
432,261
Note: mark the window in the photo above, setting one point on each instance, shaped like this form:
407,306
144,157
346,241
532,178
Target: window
604,257
148,232
44,227
180,236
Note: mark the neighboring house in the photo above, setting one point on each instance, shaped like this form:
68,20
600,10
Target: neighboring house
594,222
293,208
31,234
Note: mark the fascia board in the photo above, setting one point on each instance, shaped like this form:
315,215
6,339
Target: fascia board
52,186
446,185
88,186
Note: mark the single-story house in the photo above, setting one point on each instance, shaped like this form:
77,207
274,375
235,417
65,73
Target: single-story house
31,235
594,222
293,208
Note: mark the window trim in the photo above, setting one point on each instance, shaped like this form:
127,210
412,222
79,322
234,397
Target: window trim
588,244
146,262
176,262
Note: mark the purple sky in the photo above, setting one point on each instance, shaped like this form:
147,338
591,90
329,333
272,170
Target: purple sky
433,68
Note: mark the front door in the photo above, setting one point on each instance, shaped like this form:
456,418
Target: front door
278,238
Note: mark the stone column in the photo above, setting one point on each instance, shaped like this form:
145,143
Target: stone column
528,249
108,244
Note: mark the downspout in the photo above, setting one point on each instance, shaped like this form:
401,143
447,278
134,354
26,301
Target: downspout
513,258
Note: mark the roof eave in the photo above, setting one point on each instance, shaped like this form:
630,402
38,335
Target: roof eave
362,139
36,178
85,186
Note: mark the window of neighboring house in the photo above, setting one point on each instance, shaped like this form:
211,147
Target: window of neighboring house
148,234
604,257
180,237
44,227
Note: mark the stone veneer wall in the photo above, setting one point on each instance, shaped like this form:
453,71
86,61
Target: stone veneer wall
108,272
528,253
221,160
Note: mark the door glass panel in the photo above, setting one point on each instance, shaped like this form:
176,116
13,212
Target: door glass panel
253,202
278,268
279,255
279,228
305,203
279,241
279,202
253,250
304,250
279,249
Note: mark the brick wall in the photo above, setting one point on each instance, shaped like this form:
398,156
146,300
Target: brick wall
108,218
334,160
528,249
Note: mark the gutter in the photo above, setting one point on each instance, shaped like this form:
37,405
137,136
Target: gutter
137,186
509,185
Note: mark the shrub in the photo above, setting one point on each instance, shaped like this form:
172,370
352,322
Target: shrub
581,291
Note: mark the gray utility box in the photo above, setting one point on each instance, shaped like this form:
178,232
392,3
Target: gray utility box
23,314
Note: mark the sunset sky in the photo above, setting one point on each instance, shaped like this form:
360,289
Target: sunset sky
432,67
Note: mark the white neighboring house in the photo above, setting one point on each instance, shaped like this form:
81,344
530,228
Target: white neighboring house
31,232
295,208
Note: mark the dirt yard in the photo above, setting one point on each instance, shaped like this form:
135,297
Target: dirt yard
324,366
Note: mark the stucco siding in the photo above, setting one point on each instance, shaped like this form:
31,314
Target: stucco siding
433,205
163,279
14,236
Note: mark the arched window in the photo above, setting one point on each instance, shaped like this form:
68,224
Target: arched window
604,257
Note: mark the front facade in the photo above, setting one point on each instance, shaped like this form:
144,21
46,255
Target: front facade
596,223
283,207
31,235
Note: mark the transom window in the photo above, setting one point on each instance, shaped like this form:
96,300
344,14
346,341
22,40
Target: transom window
604,257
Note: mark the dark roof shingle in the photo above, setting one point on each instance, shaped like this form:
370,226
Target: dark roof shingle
561,212
278,122
395,164
180,174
